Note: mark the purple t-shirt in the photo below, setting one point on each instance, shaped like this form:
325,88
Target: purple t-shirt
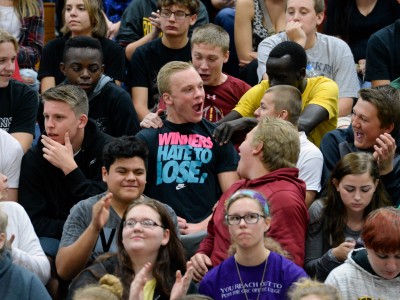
222,282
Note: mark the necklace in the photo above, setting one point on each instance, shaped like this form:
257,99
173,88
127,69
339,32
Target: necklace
241,281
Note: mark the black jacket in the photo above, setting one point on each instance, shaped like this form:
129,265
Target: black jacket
48,195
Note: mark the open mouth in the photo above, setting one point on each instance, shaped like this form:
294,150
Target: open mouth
358,135
204,76
198,107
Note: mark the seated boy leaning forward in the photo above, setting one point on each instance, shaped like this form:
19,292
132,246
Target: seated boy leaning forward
64,167
375,128
188,169
284,102
110,106
92,225
267,164
286,64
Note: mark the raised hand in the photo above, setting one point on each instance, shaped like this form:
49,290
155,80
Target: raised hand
138,283
101,212
385,149
10,241
156,23
182,283
60,156
295,33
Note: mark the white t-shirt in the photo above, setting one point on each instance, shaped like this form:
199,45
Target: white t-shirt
10,158
9,21
310,164
26,249
330,57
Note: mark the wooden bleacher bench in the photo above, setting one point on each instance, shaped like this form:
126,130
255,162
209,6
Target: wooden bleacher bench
49,22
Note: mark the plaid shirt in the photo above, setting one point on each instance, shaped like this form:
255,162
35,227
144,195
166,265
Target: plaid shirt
31,39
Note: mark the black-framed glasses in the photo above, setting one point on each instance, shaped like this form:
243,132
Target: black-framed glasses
149,224
251,218
179,15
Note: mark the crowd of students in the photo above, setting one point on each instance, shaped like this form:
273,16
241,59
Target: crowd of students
155,174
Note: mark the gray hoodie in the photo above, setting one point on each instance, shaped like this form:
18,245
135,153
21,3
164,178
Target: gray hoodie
355,282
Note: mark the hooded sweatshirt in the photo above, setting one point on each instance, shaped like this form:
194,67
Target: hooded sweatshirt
339,142
18,283
286,193
111,108
356,279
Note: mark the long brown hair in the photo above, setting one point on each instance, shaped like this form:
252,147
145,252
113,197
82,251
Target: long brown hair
96,16
334,216
27,8
170,256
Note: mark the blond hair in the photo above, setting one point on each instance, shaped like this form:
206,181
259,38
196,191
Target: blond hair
287,97
109,288
281,143
212,35
165,73
28,8
73,95
305,287
319,5
5,37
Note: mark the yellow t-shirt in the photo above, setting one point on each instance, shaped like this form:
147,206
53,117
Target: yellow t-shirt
148,291
320,90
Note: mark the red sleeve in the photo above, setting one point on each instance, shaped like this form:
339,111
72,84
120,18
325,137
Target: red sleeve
289,223
16,75
217,242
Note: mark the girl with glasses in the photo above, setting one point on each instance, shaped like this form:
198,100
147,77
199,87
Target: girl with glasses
150,256
254,271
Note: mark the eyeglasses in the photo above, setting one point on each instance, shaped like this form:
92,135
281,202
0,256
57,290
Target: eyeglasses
179,15
149,224
251,194
251,218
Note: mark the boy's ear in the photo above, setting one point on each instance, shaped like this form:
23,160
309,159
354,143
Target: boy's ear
83,119
320,18
258,149
226,57
389,128
102,68
193,19
301,74
62,67
104,173
167,98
